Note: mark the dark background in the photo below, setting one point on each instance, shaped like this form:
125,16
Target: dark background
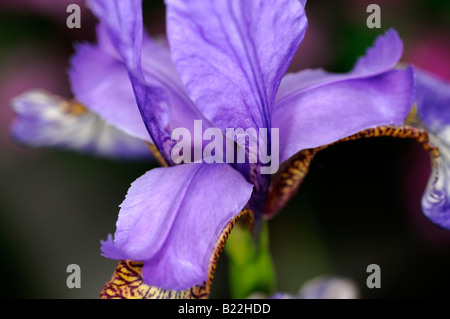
360,203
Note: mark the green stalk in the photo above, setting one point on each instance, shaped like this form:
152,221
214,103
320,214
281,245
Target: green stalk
250,264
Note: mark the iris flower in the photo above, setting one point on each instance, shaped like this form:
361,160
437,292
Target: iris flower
226,66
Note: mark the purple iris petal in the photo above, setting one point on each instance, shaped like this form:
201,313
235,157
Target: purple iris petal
433,102
328,113
381,57
327,107
232,55
172,217
100,81
45,120
162,100
123,21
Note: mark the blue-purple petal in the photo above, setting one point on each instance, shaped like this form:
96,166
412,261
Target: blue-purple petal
162,99
232,55
316,108
100,81
328,113
172,218
123,21
381,57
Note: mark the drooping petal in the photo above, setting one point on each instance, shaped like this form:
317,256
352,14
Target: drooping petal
172,217
433,106
162,100
327,107
232,55
127,282
323,115
45,120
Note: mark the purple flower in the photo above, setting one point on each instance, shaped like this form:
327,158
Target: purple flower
433,102
226,67
45,120
325,287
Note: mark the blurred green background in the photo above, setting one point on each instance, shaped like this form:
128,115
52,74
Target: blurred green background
360,203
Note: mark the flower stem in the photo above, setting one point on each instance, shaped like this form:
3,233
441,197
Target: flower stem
251,268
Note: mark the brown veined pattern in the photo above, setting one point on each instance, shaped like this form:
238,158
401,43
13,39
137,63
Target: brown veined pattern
127,283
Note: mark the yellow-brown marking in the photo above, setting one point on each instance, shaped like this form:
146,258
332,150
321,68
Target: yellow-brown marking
126,281
157,154
73,108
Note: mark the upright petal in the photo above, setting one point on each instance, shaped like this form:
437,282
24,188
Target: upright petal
172,217
381,57
100,81
123,20
433,106
162,100
327,107
232,55
45,120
